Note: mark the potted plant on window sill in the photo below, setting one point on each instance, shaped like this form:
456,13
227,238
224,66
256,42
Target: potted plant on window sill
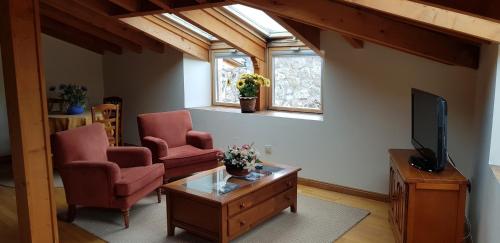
248,85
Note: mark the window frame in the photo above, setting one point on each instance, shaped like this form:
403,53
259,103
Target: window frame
270,73
213,55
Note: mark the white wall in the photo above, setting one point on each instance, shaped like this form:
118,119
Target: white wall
495,133
147,82
63,63
4,125
69,64
197,82
485,197
366,111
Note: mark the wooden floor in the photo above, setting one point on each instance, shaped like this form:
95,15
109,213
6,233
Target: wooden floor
373,229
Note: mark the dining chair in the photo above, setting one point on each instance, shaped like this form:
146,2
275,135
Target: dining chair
109,115
116,100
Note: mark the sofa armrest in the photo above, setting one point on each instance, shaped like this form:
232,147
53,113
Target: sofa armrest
202,140
90,183
129,156
158,146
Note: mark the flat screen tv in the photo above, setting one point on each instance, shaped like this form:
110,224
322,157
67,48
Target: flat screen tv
429,126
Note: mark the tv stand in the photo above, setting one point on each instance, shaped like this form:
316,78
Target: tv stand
420,163
425,207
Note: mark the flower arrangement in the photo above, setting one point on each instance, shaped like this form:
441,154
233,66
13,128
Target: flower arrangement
249,84
242,158
74,95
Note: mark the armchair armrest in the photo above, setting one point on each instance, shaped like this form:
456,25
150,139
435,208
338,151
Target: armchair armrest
129,156
158,146
90,183
202,140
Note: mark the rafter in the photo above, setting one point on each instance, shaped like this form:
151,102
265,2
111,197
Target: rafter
355,43
374,27
225,28
83,26
309,35
75,36
105,22
466,24
170,34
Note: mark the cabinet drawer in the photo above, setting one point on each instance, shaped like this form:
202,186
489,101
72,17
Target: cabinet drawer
248,219
256,197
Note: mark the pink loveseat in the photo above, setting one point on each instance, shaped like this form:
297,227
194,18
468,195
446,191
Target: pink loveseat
96,175
174,144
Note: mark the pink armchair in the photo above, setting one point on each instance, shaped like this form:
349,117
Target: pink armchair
96,175
173,143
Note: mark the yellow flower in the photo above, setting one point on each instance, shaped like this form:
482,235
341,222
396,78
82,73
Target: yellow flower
267,82
240,84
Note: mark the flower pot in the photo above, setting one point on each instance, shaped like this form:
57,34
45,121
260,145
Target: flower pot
247,104
237,171
75,110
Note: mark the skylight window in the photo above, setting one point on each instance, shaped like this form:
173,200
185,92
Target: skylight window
259,20
189,26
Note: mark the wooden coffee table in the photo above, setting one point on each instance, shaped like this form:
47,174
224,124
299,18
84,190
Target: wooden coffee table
212,206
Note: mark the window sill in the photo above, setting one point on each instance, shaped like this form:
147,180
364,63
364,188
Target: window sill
496,171
270,113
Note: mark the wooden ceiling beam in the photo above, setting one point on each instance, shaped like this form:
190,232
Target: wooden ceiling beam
130,5
371,26
168,33
77,37
486,8
68,19
110,24
355,43
226,29
309,35
446,19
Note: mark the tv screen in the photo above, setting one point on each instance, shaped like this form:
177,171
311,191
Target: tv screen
429,115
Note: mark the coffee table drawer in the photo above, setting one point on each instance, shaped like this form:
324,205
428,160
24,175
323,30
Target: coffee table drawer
249,201
255,215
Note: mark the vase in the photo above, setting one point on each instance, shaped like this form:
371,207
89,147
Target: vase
247,104
234,171
75,110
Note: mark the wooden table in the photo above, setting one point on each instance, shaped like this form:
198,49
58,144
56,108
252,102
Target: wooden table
63,122
197,205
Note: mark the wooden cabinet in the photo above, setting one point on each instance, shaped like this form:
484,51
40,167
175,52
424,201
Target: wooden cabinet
425,207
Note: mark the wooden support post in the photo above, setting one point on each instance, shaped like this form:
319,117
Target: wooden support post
259,67
27,114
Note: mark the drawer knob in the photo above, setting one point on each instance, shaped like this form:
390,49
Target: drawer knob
288,198
289,183
242,222
242,205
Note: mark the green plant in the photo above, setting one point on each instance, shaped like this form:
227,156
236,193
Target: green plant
73,94
249,84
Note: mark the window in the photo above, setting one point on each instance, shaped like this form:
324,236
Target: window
296,80
178,20
259,20
227,68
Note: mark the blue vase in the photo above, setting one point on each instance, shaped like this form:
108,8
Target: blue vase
75,110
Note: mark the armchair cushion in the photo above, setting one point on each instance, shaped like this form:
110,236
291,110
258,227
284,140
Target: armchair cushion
186,155
90,182
129,156
158,146
135,178
202,140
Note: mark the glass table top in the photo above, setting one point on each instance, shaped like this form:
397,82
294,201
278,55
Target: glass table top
220,182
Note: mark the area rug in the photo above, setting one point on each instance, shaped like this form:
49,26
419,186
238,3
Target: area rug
7,179
316,221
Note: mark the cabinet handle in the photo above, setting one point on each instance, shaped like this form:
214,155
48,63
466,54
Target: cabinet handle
289,183
242,205
242,222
